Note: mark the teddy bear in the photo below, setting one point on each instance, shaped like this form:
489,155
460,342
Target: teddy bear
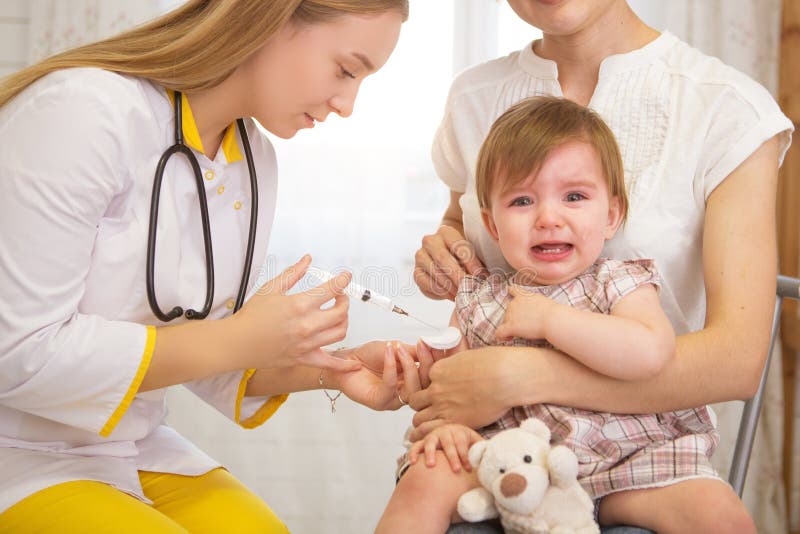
532,486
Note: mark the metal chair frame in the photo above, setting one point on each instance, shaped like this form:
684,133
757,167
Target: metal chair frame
788,288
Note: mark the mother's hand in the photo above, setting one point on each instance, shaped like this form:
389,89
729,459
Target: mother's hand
442,261
473,387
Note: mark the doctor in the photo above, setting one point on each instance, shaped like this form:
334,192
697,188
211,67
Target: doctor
88,266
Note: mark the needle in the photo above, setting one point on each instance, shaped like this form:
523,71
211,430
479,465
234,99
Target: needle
401,311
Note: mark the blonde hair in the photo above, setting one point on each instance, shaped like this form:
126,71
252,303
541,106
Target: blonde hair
520,140
198,45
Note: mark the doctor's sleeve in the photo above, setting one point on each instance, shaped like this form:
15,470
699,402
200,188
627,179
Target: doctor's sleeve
225,392
61,164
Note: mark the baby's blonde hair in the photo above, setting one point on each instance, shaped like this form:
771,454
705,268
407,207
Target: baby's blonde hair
520,140
198,45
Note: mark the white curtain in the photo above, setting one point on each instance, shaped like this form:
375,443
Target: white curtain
56,25
744,34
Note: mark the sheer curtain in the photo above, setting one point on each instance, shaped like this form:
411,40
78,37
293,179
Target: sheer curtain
56,25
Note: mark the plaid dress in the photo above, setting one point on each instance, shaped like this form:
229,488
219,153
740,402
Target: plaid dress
615,451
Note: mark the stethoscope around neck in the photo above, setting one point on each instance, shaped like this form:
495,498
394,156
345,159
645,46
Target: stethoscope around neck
181,147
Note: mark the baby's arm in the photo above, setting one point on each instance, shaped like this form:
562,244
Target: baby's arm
633,342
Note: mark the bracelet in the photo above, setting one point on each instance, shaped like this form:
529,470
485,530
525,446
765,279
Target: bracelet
325,391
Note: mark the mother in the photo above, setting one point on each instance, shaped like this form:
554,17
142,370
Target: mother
701,145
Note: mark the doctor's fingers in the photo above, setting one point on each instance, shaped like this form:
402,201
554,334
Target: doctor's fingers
307,310
333,288
287,279
324,360
324,334
389,375
411,381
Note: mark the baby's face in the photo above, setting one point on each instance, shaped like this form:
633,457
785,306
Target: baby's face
553,225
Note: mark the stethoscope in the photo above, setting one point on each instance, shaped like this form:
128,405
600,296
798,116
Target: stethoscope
179,146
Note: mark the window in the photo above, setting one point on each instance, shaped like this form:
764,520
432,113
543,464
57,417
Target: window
362,191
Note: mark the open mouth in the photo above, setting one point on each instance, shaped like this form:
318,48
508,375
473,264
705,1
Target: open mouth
552,248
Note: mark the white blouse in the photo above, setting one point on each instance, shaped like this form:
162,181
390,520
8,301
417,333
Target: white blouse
78,153
683,120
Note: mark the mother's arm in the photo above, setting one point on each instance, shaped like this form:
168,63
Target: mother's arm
723,361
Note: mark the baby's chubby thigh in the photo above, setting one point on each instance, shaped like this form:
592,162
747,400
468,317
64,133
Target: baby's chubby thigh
692,505
428,496
437,487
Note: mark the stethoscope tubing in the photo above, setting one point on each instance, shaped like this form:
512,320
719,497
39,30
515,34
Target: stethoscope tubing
251,235
180,147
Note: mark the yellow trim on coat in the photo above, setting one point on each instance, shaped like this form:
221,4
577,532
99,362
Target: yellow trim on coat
191,135
149,345
264,412
229,145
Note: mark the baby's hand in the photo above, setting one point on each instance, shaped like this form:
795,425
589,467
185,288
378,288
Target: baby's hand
453,439
526,315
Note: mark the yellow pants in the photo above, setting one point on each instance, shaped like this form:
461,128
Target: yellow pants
214,503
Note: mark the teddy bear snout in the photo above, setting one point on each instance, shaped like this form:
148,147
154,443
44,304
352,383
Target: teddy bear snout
521,489
513,484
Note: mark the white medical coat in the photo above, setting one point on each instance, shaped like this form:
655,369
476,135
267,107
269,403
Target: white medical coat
78,153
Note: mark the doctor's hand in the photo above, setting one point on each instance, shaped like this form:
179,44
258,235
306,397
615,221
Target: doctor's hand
388,374
286,330
442,261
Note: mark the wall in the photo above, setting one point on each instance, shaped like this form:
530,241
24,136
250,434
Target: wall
14,22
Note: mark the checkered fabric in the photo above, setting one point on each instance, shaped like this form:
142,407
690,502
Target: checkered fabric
615,452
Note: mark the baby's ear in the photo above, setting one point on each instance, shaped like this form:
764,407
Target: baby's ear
488,222
614,217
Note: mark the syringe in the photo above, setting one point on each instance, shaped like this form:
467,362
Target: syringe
360,292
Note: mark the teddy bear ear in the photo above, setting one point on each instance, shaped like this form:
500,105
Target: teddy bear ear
536,427
476,452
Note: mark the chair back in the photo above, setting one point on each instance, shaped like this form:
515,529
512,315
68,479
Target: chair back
787,288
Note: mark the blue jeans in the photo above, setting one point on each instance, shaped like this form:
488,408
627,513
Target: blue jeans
493,527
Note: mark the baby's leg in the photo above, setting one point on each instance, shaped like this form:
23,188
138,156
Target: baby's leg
696,505
424,501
